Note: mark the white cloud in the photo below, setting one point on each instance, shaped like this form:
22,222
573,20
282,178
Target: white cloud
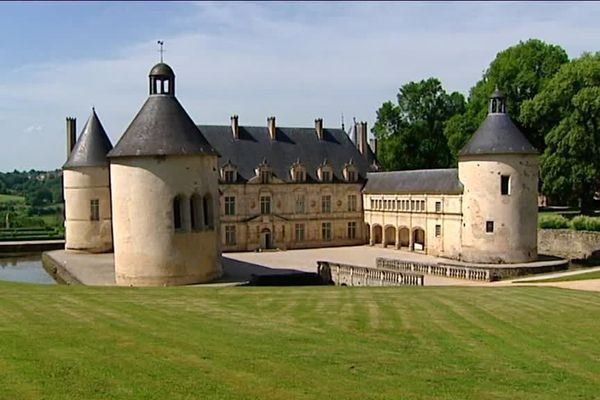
293,60
33,129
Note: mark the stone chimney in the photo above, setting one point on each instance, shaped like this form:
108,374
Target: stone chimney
71,134
235,127
362,137
319,128
373,144
272,127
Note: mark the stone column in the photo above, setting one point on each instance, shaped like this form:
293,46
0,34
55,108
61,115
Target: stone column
410,240
371,238
397,238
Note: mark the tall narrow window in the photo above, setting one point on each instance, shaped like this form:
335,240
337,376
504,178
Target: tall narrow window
351,202
208,211
229,176
300,204
230,238
438,230
352,230
326,176
489,226
229,205
196,212
177,217
326,230
438,206
299,232
95,210
505,185
265,204
326,204
265,176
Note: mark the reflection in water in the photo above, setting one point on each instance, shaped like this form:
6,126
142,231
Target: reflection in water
24,268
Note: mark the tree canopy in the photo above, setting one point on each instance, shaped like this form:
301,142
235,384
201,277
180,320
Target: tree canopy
520,71
410,133
568,109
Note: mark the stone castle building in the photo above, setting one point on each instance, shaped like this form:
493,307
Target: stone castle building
484,212
171,195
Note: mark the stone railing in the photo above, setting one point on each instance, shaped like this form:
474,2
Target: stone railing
449,271
354,275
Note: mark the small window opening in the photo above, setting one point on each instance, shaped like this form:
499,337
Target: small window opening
95,210
505,185
489,226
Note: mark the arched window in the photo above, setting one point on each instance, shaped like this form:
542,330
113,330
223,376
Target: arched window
207,208
196,212
177,215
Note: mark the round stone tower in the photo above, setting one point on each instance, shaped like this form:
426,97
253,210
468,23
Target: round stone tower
499,170
86,186
164,194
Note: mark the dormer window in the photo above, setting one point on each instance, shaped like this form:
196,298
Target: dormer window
264,172
229,173
350,172
298,172
325,172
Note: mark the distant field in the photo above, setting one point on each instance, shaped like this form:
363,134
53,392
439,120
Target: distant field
66,342
4,198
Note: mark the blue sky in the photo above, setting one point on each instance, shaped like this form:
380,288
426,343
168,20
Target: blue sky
297,61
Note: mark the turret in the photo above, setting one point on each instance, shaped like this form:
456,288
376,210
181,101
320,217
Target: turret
87,188
499,170
164,194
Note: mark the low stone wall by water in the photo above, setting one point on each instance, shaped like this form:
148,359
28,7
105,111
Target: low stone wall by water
354,275
568,243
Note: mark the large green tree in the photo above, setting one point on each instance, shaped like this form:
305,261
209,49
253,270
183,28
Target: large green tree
410,133
520,71
568,109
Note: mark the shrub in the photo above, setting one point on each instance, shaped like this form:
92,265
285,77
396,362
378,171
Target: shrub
553,222
585,223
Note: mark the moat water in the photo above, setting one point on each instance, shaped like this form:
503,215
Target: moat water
24,268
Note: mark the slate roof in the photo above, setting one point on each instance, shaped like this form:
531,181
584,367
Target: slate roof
91,147
422,181
161,69
255,145
497,135
162,127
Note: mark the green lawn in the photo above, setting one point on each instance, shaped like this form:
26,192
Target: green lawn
5,198
577,277
62,342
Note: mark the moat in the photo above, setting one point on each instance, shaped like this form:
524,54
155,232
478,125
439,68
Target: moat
24,268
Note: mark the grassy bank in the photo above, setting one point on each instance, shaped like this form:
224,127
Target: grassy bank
298,343
568,278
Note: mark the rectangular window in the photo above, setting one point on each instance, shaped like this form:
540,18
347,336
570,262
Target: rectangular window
351,230
299,232
438,230
95,210
438,206
422,205
326,230
412,205
326,176
351,176
326,204
351,202
229,205
505,185
371,200
230,235
229,176
265,204
300,204
489,226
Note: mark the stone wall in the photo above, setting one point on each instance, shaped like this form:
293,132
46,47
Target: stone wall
569,243
354,275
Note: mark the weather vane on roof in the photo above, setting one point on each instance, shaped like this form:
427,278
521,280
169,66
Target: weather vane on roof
161,50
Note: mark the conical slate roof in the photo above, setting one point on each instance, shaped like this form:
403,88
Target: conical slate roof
497,134
161,127
91,147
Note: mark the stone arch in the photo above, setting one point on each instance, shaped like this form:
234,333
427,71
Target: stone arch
389,235
418,236
196,212
377,234
404,235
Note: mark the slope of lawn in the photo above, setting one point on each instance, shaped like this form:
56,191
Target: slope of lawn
567,278
66,342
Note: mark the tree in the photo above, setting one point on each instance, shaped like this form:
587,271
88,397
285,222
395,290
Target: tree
411,134
568,108
520,71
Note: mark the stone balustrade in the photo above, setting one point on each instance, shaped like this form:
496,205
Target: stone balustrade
449,271
354,275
